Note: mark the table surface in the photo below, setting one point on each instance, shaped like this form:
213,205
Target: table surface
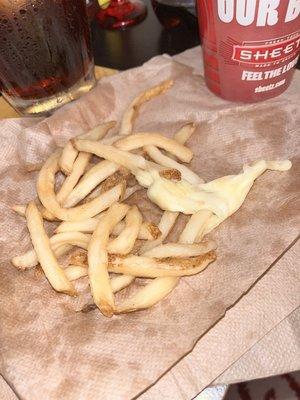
123,49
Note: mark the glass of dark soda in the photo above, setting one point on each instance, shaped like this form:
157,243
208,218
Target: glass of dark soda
45,53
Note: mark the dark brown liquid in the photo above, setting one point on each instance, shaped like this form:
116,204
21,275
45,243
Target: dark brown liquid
171,16
44,46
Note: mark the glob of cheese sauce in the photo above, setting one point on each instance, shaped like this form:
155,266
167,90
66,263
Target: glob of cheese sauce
222,196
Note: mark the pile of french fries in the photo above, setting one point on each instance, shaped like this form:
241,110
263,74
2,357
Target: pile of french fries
106,239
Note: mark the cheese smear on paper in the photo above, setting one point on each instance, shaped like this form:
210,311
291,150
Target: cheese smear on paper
222,196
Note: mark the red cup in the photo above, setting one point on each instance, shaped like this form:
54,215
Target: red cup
250,47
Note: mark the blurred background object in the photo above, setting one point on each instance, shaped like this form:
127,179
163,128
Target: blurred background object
127,48
119,14
172,13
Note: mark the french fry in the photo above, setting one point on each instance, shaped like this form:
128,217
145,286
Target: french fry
165,225
124,243
118,282
20,209
180,250
90,180
74,272
98,259
69,153
68,158
146,267
121,157
46,193
194,229
160,287
29,259
128,192
184,133
149,295
45,255
165,161
148,230
79,166
130,113
60,244
143,139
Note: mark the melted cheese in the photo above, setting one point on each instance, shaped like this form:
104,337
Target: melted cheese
222,196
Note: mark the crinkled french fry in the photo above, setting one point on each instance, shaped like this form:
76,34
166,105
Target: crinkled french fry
45,255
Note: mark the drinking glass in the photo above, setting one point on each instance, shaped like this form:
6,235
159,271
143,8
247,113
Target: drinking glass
119,14
45,54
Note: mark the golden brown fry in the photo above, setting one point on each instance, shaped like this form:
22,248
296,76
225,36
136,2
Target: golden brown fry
130,113
74,272
45,189
29,259
120,282
69,153
98,259
145,267
149,295
165,161
90,180
124,243
123,158
184,133
119,176
181,250
79,166
19,209
193,231
68,158
45,255
171,174
60,245
143,139
148,230
165,225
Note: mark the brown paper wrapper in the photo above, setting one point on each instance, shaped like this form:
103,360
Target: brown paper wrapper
246,326
51,351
